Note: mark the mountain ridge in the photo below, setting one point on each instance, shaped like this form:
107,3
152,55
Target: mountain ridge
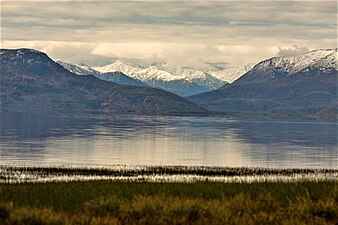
181,81
279,67
117,77
31,81
272,86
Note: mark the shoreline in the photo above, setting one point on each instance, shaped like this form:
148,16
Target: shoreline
161,174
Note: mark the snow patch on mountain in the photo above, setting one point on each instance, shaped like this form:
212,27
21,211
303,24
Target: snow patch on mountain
295,64
231,74
118,65
78,69
194,75
164,72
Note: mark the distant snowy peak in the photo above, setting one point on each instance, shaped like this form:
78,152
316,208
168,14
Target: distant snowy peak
295,64
78,69
231,74
325,65
116,76
164,72
320,61
168,77
138,71
191,74
186,72
118,65
153,73
329,61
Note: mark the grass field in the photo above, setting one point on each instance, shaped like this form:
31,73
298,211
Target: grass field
108,202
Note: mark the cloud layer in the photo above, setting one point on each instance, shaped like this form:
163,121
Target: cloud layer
186,33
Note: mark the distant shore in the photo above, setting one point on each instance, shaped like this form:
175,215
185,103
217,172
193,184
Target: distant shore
240,114
182,174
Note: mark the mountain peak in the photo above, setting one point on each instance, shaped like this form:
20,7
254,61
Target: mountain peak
21,51
118,62
277,68
27,50
81,69
330,50
118,65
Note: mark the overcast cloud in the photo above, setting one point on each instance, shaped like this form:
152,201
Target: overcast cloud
184,32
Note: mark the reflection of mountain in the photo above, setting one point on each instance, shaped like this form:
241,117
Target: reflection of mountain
43,126
276,132
31,81
297,133
109,139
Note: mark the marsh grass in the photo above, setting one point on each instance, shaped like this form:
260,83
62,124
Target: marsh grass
176,174
160,170
107,202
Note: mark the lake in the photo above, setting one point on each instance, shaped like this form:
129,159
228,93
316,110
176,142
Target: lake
105,140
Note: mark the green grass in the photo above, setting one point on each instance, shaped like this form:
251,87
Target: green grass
107,202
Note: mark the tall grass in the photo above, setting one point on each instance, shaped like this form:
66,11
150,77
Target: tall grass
105,202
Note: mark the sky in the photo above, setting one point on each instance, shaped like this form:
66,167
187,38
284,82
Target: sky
185,33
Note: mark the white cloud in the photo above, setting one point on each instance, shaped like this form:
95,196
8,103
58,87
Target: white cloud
176,53
292,51
178,32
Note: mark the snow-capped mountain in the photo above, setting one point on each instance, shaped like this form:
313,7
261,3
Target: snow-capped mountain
280,67
117,76
295,64
118,65
326,64
186,81
230,74
32,82
179,80
197,76
299,85
77,69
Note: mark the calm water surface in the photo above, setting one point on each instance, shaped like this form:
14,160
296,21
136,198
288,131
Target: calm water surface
45,140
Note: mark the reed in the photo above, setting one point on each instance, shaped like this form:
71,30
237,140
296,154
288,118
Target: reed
10,174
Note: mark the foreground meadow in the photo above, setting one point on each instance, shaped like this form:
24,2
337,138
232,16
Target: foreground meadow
112,202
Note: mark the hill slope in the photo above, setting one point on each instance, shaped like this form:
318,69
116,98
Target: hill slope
117,77
31,81
304,85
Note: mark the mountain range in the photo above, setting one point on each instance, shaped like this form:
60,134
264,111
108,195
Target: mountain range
229,74
179,80
300,85
304,85
116,76
31,81
183,81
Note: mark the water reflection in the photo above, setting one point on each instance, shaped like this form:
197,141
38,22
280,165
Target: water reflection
41,139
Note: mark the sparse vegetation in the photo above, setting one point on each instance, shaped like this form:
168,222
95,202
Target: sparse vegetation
107,202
